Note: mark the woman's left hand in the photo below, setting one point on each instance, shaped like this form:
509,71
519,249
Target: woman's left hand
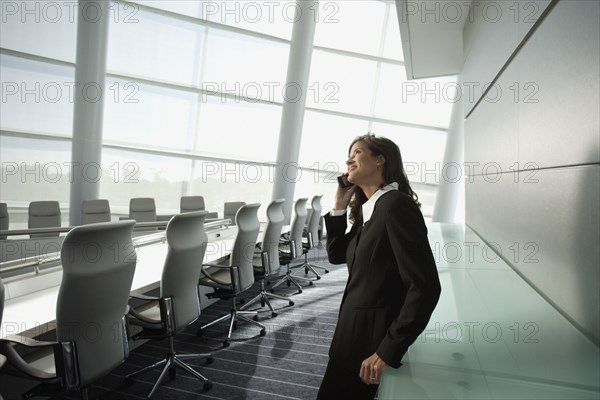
371,368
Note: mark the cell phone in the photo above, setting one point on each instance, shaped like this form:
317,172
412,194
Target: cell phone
343,181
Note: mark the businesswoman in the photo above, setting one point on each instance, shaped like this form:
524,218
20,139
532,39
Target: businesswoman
392,285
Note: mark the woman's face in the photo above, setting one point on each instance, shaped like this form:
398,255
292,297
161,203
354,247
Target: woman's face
364,168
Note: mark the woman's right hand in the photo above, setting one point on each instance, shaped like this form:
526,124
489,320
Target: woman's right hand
343,196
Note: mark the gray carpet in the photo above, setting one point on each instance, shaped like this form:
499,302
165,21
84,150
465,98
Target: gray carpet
287,363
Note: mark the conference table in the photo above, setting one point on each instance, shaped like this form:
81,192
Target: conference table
30,300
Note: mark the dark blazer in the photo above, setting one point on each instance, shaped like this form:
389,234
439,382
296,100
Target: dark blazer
392,287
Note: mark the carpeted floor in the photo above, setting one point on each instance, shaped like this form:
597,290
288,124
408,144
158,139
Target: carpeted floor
288,362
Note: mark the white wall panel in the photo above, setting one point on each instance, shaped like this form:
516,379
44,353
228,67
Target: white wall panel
492,33
562,62
546,224
492,131
560,215
546,221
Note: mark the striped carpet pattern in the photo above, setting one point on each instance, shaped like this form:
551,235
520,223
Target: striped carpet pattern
287,363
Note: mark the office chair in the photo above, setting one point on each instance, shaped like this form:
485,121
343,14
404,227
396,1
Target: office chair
314,221
267,264
143,209
2,358
1,300
194,203
230,210
44,214
98,262
290,251
94,211
3,219
312,237
191,203
178,304
229,281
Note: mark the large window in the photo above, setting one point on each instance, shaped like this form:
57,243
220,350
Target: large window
426,102
245,66
206,94
341,83
244,131
192,102
37,97
194,93
32,170
358,85
127,174
47,29
155,46
144,115
354,26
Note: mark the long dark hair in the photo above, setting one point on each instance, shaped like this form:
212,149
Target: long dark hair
393,171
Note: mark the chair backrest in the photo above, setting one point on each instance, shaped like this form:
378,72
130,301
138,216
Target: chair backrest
187,241
270,242
142,209
44,214
191,203
230,210
98,262
3,219
313,221
298,224
94,211
1,300
242,253
2,358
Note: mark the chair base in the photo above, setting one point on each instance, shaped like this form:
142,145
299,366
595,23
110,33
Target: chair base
264,296
310,268
235,315
292,279
171,362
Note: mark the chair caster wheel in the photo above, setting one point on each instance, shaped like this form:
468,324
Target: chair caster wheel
263,332
234,325
262,303
273,314
172,373
291,303
225,343
208,386
210,360
255,317
288,283
310,283
326,271
318,277
272,290
242,301
128,381
299,291
305,271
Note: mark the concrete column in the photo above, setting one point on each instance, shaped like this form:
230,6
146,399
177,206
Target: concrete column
90,71
449,189
290,133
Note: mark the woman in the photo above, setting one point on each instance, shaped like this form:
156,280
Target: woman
392,285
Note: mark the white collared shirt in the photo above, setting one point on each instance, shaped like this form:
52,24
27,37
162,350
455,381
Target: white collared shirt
369,205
